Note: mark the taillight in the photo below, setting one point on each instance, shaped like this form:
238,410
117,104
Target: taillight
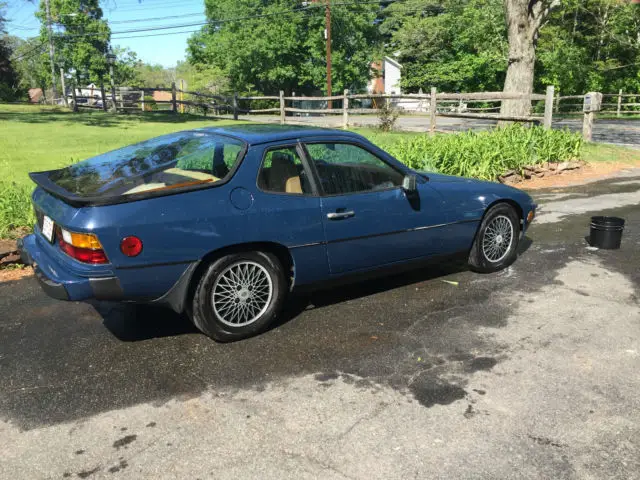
84,247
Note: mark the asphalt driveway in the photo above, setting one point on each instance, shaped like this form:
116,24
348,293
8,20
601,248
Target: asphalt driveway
440,373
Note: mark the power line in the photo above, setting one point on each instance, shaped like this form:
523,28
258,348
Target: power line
37,47
236,19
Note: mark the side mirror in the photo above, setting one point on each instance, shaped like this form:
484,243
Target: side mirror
409,183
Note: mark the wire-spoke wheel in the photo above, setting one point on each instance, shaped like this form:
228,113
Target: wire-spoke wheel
242,293
239,295
495,245
497,238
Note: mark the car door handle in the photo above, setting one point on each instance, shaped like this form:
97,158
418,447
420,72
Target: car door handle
340,215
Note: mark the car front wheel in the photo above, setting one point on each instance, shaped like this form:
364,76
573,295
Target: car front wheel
496,244
239,295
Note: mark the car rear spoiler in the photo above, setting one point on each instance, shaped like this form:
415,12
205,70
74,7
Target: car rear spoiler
43,181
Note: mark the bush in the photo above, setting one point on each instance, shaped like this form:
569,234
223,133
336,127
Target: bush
387,116
16,211
487,155
150,104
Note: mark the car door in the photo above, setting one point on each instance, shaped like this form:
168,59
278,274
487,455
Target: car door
368,218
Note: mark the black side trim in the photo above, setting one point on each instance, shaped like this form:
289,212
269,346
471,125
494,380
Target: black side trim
51,288
108,288
176,296
395,232
165,264
383,271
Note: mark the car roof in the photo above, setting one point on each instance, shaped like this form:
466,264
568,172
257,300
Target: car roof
256,133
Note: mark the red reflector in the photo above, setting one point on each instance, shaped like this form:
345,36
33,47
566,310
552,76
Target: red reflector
85,255
131,246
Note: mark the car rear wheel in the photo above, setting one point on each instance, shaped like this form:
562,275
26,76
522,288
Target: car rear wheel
496,244
239,295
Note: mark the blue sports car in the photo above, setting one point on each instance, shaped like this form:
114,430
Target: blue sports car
222,223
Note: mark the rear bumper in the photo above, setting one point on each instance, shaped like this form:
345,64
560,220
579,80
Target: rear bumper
58,282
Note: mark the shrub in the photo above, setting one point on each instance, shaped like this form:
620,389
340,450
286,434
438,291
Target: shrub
387,116
488,154
16,211
150,104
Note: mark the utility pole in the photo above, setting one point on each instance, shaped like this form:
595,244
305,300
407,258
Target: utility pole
51,52
328,39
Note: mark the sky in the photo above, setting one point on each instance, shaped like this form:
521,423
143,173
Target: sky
164,47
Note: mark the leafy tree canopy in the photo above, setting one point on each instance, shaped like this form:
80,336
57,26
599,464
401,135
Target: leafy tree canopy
461,45
283,46
81,37
8,77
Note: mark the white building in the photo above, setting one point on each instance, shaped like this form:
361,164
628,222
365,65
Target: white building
387,76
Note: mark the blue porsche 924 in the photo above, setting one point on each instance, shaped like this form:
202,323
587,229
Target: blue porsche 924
222,223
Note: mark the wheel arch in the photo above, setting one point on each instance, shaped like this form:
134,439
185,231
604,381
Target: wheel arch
509,201
281,252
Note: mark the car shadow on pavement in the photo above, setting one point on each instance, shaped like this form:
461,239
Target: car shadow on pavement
134,323
138,322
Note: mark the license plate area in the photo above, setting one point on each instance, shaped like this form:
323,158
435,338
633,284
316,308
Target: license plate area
47,228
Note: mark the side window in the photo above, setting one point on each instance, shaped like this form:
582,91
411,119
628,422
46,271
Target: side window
282,172
345,168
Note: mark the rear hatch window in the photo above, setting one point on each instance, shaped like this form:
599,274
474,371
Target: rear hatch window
169,162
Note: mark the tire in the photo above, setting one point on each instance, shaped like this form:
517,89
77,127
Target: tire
249,289
489,252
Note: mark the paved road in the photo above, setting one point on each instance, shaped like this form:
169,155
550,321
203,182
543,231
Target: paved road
528,373
620,132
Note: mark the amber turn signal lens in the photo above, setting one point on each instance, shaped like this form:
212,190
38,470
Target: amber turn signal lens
81,240
531,216
131,246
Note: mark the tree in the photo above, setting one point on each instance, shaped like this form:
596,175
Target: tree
450,44
8,77
524,19
279,44
31,63
590,45
82,38
126,67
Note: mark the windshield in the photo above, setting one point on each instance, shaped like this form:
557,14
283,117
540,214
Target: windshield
171,161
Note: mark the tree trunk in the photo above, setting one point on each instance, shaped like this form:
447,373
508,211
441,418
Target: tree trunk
524,19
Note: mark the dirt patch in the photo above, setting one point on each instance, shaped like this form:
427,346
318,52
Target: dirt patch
587,173
13,274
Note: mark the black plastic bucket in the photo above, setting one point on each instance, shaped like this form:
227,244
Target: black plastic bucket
606,232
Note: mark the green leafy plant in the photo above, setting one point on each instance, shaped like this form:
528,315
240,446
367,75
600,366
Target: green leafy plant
16,211
387,116
487,155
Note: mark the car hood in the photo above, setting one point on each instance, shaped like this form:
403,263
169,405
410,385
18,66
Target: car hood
493,190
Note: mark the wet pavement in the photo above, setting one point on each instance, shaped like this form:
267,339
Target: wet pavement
527,373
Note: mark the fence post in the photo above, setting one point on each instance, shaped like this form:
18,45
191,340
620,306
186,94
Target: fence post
104,98
73,95
174,105
432,111
282,110
548,107
235,106
345,108
142,100
64,89
557,104
592,104
181,96
619,103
